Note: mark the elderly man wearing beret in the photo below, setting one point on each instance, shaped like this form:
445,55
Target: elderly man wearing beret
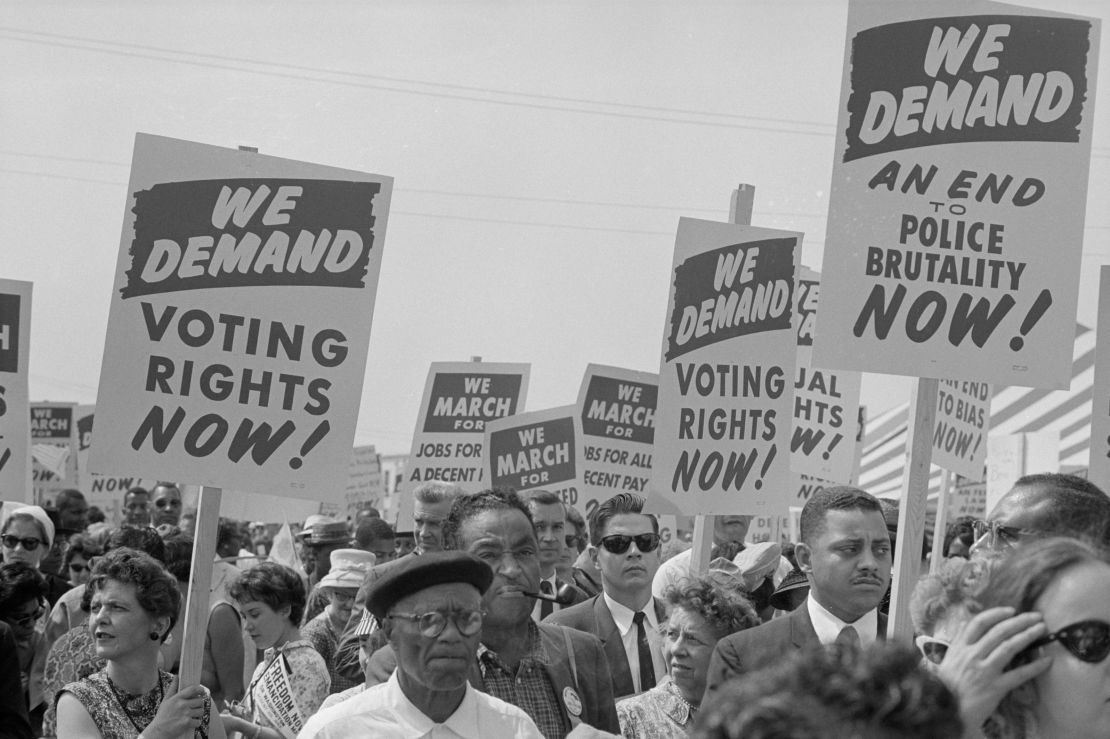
430,610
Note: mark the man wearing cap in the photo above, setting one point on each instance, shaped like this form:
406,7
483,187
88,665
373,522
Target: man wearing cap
348,568
430,610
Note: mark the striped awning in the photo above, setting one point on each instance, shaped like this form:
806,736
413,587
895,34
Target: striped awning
1013,410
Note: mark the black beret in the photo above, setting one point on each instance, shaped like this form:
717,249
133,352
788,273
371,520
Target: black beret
424,571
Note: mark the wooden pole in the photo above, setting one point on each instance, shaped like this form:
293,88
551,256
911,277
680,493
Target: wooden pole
200,581
911,512
940,525
740,212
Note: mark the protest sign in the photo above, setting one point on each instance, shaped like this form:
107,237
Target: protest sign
460,399
960,432
1100,404
536,450
968,498
1009,456
364,480
241,505
103,491
272,696
826,402
53,450
15,428
958,195
240,320
616,408
722,422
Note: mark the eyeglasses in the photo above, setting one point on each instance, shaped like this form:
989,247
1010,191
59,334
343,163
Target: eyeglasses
432,623
30,543
618,543
1088,641
933,649
999,533
27,619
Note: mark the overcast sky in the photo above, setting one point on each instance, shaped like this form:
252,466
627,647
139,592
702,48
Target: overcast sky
542,155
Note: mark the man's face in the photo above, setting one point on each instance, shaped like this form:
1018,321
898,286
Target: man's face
440,662
73,513
382,549
1023,513
167,505
848,563
550,525
505,541
136,509
730,528
428,521
631,571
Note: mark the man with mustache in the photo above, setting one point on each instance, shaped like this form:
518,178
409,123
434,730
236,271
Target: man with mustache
845,554
430,610
624,542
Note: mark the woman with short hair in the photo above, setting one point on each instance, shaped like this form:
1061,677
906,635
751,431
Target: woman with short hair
22,604
77,564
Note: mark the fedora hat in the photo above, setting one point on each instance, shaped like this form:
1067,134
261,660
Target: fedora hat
328,531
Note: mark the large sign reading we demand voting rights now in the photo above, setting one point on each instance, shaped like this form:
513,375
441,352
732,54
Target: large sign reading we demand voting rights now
240,320
958,194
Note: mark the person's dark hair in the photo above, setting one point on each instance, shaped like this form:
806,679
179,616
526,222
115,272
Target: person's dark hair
62,500
155,588
466,507
179,555
137,490
725,609
226,532
95,515
541,497
836,498
19,583
881,692
1079,508
435,491
82,544
372,529
1018,581
275,585
143,538
619,504
961,529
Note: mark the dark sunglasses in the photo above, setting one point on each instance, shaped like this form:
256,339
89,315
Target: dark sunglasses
1088,641
619,543
30,543
29,618
933,650
78,567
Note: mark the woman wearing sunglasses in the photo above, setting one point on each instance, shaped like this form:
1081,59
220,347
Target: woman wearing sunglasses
78,558
22,604
1035,657
26,536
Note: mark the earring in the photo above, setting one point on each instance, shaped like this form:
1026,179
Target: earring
155,636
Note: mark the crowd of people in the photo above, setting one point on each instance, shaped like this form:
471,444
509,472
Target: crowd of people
512,615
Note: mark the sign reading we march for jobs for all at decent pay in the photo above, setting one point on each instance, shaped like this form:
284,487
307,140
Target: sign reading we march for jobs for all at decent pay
240,320
958,195
726,377
15,429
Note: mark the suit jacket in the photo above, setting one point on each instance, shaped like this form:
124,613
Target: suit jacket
14,721
593,617
764,645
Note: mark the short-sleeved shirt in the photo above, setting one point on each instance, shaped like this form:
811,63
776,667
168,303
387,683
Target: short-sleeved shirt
659,713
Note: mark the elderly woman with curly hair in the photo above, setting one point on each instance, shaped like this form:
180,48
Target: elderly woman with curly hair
134,605
271,598
940,605
702,611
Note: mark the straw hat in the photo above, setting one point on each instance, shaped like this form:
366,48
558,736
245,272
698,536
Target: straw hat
328,531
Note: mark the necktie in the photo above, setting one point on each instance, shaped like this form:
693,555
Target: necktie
647,669
546,606
848,637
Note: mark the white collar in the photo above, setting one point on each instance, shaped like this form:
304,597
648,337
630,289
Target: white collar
623,615
828,626
464,721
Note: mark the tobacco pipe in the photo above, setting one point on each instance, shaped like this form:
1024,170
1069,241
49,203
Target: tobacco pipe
564,596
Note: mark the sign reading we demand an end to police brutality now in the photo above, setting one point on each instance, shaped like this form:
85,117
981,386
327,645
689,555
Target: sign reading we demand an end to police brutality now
959,189
240,320
726,377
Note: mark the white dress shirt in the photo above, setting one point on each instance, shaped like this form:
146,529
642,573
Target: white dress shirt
828,626
384,711
622,617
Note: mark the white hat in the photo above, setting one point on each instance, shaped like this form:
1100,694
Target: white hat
348,569
757,561
37,513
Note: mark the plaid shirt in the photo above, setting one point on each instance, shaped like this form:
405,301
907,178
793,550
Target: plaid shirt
529,688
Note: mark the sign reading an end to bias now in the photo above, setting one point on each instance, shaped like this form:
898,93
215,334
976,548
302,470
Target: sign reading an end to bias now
240,320
961,426
534,450
726,377
958,194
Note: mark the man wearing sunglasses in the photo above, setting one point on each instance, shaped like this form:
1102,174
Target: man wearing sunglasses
846,556
624,542
549,520
430,610
1041,505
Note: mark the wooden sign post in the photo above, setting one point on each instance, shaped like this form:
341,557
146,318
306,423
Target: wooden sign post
200,579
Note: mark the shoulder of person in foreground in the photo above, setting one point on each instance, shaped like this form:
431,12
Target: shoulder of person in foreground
579,616
590,674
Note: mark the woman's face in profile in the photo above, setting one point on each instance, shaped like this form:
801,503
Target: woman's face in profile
1073,696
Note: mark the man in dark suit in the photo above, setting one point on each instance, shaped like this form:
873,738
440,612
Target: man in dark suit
624,542
845,554
549,519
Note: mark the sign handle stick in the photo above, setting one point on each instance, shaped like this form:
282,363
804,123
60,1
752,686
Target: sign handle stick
911,512
740,212
940,525
200,581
